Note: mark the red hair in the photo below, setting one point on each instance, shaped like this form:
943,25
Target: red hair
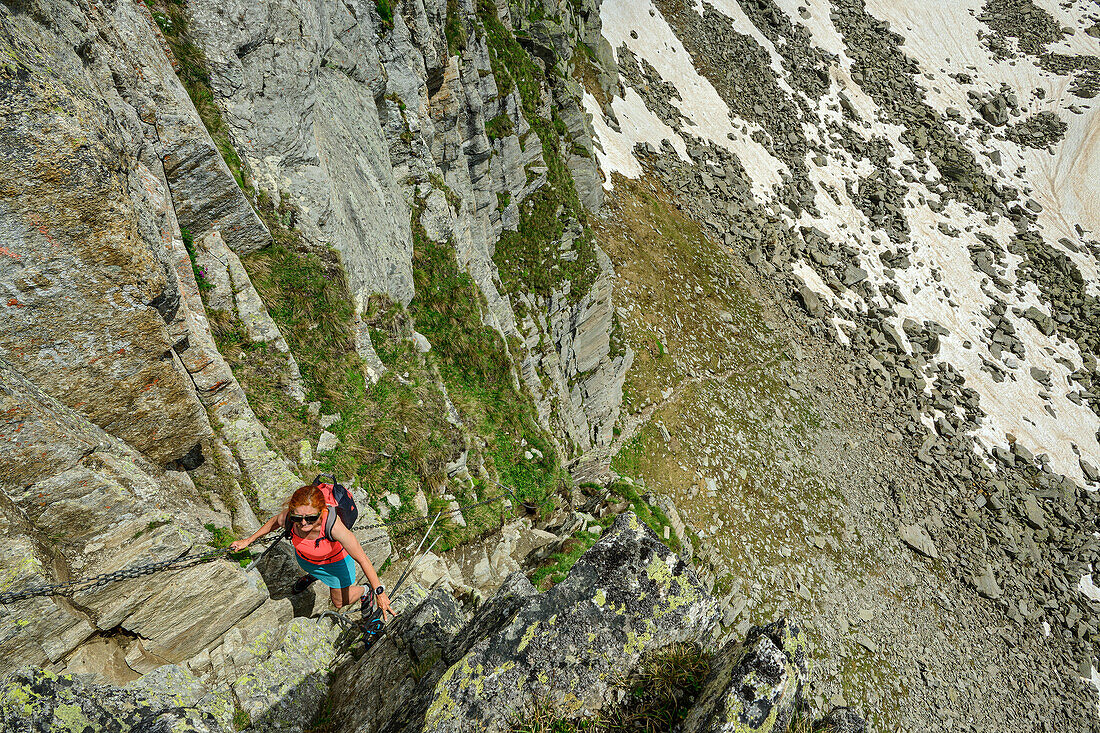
307,495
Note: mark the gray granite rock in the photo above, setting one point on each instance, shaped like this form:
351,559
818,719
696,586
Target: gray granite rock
917,537
70,480
298,85
627,595
95,307
754,685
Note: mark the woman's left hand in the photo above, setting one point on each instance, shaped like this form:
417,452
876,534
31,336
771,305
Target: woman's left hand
383,602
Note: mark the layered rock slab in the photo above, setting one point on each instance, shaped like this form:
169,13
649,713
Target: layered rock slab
75,502
80,284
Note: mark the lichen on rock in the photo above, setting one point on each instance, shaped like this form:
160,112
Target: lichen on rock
564,646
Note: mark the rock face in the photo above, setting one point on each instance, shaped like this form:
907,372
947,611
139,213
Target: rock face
381,691
233,294
104,310
80,502
241,438
347,118
627,596
299,84
282,682
585,375
87,304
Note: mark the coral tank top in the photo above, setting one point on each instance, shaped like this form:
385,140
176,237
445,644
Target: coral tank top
320,551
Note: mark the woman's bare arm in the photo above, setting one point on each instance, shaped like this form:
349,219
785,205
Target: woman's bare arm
276,521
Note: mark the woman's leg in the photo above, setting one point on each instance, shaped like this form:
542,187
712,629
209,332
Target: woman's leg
345,596
344,572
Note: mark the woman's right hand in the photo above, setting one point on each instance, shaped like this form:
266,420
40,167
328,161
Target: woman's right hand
238,545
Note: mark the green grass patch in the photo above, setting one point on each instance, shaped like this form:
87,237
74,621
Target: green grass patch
500,126
557,567
241,719
199,271
385,12
651,514
525,258
454,30
475,364
221,538
632,458
560,563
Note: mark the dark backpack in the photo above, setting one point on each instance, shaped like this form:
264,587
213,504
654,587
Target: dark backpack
344,504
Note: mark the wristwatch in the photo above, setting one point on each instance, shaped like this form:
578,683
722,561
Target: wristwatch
379,590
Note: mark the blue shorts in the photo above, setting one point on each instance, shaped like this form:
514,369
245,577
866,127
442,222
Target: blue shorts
337,574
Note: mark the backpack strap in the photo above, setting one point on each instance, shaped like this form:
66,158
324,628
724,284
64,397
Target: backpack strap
330,522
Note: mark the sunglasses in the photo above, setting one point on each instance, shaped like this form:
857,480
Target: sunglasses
304,519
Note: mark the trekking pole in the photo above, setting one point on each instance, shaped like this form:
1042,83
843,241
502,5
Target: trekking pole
412,566
412,560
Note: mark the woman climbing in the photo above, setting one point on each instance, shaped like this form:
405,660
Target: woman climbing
325,558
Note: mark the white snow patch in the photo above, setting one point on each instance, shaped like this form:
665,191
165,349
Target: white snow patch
813,281
1013,405
701,103
637,124
841,336
1089,588
942,284
1062,182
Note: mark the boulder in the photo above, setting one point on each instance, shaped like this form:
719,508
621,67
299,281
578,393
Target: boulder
327,442
810,300
627,596
986,584
497,560
918,539
756,685
281,685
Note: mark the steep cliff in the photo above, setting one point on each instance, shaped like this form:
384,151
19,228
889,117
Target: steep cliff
523,659
812,288
146,148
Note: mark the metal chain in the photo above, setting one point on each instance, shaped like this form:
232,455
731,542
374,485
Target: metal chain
186,560
180,562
